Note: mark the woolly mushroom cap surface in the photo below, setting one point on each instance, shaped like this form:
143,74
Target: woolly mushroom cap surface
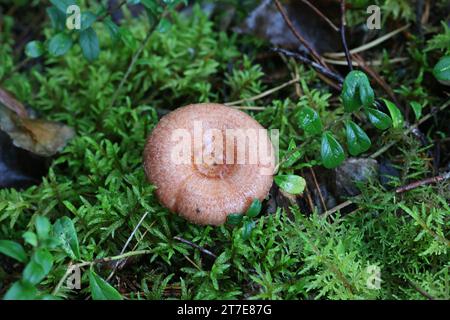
208,161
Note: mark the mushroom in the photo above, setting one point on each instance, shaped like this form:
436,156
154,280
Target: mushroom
209,160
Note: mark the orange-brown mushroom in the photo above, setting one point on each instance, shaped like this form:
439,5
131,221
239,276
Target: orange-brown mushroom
208,161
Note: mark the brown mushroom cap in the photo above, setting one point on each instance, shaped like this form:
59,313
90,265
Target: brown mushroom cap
206,192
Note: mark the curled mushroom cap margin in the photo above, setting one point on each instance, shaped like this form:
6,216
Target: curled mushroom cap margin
204,162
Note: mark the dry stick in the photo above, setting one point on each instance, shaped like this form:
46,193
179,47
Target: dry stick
320,68
196,246
126,244
320,14
421,291
90,263
368,45
369,63
135,57
302,40
423,182
344,40
265,93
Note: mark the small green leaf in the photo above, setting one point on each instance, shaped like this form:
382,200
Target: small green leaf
310,121
357,91
293,156
64,230
396,114
234,219
357,140
87,19
89,44
254,209
379,119
151,5
21,290
113,29
39,266
247,229
30,238
57,18
102,290
442,70
62,5
417,108
34,49
13,250
291,183
43,227
331,151
59,44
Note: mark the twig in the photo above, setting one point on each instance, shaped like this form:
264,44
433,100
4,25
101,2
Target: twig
111,11
196,246
302,40
127,243
264,94
320,14
368,45
423,182
320,68
369,63
421,291
344,40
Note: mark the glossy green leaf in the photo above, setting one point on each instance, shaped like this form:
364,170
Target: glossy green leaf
291,183
379,119
64,230
357,91
247,229
331,151
59,44
113,29
309,120
442,70
254,209
62,5
43,227
234,218
89,44
396,114
417,108
57,18
102,290
13,250
34,49
21,290
357,140
87,19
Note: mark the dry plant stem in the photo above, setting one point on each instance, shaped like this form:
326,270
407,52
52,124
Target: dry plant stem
126,244
344,40
316,185
368,45
196,246
320,68
264,94
71,266
423,182
421,290
302,40
320,14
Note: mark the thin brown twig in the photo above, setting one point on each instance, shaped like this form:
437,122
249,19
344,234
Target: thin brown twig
300,38
320,14
416,184
344,40
196,246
